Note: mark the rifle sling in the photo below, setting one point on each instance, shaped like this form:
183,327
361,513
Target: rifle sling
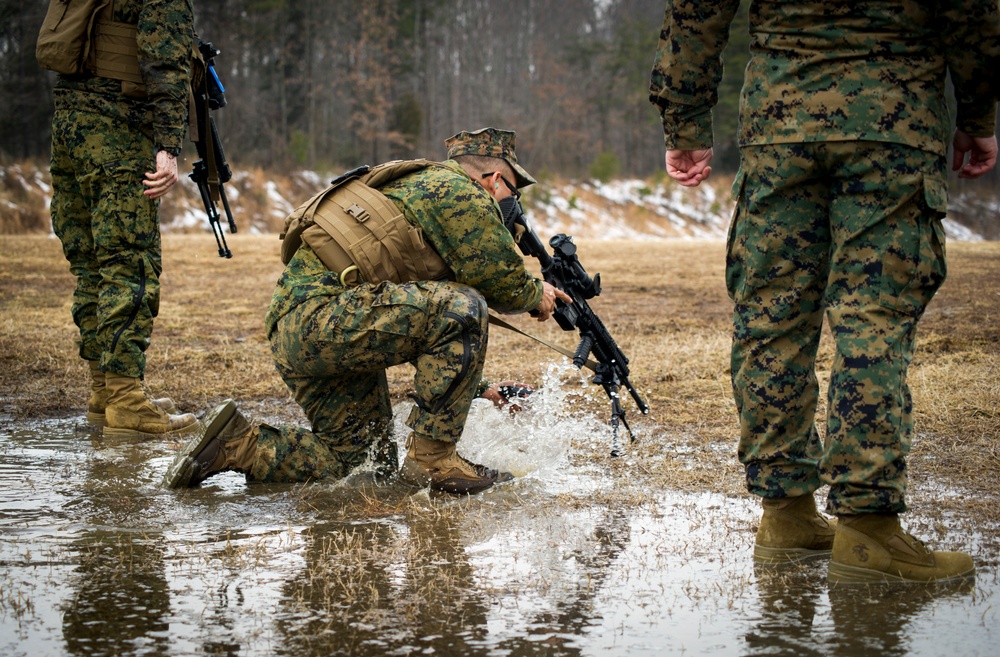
590,364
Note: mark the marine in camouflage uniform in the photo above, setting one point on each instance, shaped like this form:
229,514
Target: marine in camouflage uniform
333,342
103,143
844,129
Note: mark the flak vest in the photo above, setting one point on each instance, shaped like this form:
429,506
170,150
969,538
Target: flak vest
359,232
81,37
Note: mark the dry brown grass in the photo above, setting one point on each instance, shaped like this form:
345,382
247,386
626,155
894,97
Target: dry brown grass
664,302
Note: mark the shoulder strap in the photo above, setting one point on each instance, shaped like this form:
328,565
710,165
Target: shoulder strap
496,321
385,173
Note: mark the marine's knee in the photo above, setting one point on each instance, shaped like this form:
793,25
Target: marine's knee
468,307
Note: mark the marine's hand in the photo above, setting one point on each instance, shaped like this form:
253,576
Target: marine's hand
164,178
982,153
548,304
509,394
689,168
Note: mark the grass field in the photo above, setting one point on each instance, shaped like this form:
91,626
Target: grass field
664,302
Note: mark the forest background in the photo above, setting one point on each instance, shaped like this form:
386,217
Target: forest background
317,85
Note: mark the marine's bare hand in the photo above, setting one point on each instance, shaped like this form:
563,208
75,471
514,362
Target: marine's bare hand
164,178
548,304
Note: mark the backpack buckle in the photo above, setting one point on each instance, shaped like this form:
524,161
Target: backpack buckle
359,213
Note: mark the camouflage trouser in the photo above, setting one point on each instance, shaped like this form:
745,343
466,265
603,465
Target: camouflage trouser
851,229
332,353
110,234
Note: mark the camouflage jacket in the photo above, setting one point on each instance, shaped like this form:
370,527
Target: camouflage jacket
165,40
831,71
463,224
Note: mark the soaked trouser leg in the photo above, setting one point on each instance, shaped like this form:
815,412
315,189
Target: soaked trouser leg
333,352
862,222
110,235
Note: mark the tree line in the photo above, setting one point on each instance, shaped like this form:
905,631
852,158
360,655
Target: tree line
321,84
328,84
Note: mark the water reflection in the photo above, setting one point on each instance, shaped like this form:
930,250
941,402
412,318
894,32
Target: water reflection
883,619
789,598
576,557
438,580
120,596
801,614
573,612
383,588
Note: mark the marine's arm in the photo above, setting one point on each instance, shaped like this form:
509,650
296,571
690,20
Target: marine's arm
461,221
971,36
482,254
688,68
165,38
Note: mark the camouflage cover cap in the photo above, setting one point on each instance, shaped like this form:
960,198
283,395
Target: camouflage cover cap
490,142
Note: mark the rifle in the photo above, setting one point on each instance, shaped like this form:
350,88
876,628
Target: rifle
211,171
563,270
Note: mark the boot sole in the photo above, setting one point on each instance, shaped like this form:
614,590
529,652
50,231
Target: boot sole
772,555
182,470
414,475
840,573
461,486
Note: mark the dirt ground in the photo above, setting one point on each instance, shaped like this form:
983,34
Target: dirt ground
664,302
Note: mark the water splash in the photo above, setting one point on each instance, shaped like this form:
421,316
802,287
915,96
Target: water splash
530,443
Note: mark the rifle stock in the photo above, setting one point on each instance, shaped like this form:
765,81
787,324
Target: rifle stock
563,270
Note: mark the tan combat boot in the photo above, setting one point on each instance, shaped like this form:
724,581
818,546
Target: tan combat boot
98,402
228,443
874,548
437,464
792,530
130,415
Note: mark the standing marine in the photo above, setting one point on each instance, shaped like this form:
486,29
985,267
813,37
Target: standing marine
391,265
844,132
123,113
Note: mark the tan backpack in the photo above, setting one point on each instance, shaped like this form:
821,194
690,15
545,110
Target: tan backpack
358,231
65,40
78,36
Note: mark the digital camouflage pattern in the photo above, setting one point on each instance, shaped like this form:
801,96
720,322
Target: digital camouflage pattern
332,344
165,36
110,235
102,145
881,206
489,142
885,60
843,135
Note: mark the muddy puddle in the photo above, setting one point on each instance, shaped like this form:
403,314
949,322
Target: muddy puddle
574,557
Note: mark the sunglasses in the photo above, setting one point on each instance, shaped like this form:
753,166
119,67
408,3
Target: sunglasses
512,188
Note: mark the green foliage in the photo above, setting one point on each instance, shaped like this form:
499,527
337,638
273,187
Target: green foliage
605,166
408,117
298,147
